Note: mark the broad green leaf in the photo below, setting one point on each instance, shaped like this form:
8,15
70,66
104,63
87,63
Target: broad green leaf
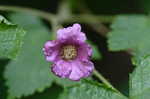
96,54
130,32
140,80
90,90
11,39
30,72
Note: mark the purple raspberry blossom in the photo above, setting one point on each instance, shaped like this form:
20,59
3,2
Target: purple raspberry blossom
70,54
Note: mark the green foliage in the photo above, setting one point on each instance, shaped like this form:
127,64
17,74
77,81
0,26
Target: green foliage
130,33
127,32
11,39
90,90
133,32
29,72
140,80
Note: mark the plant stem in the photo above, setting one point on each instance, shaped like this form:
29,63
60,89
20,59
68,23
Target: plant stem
89,18
61,17
85,18
98,75
45,15
105,81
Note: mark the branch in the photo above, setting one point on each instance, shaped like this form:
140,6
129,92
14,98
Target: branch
45,15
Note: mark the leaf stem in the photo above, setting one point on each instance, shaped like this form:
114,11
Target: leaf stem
98,75
105,81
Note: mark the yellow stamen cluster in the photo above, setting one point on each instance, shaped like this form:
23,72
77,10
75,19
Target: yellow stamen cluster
68,52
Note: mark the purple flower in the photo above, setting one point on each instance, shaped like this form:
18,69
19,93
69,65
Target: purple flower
70,54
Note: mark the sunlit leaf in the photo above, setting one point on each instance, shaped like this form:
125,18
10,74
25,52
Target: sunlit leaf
140,80
11,39
130,33
90,90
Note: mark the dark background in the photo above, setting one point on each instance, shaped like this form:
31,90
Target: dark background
96,6
115,66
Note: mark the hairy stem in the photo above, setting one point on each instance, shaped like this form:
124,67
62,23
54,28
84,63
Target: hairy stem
105,81
98,75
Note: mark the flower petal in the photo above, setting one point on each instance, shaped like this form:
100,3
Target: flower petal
62,68
74,33
51,50
52,57
81,69
74,69
84,51
51,43
77,27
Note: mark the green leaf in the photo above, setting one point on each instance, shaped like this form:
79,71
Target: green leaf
96,54
130,32
140,80
90,90
133,32
11,39
30,72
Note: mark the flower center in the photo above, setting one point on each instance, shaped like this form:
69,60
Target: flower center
68,52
